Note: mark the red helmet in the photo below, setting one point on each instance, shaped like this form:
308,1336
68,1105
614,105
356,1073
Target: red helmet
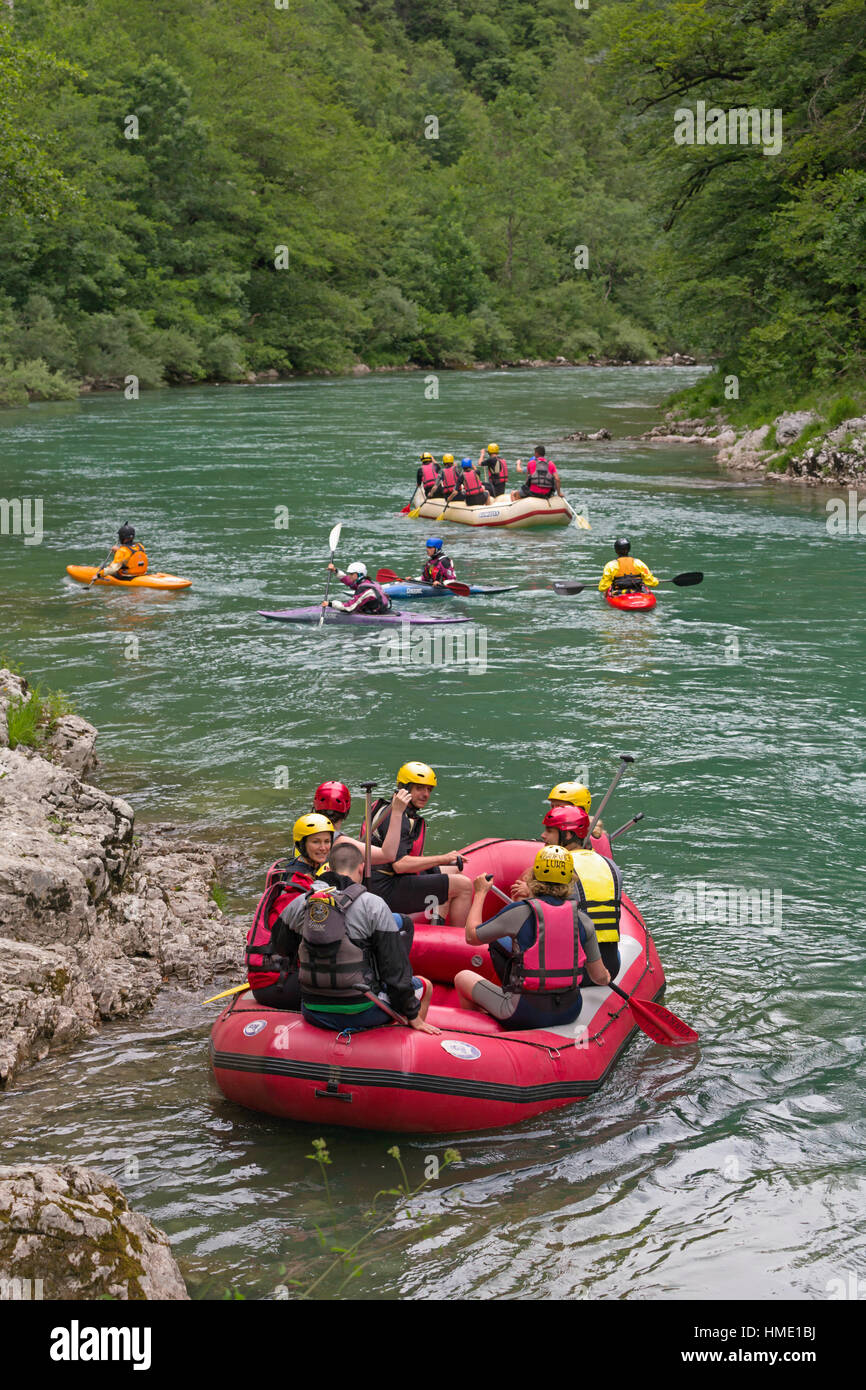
568,820
332,796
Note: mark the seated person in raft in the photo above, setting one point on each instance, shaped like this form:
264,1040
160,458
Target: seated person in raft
542,947
575,794
597,882
128,559
542,478
339,930
333,799
471,491
414,881
497,469
367,595
428,475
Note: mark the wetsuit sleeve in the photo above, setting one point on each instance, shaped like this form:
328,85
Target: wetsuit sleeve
285,936
588,938
611,570
506,923
649,577
392,959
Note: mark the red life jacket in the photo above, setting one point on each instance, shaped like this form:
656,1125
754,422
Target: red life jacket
449,477
471,482
541,482
553,964
497,474
429,475
283,882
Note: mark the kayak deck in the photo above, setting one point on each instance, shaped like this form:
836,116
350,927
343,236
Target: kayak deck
336,616
634,602
157,580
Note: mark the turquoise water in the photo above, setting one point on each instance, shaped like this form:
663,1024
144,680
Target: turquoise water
734,1170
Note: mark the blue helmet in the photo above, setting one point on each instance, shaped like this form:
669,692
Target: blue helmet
464,462
434,543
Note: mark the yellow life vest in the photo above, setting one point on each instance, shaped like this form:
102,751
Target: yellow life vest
598,881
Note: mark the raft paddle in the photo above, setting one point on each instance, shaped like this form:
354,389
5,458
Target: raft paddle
333,542
226,992
624,760
653,1019
628,825
367,788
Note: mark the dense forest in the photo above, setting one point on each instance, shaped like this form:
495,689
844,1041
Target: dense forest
196,189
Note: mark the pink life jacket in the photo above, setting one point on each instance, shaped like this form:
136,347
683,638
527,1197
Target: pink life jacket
553,964
497,475
429,475
449,477
541,484
282,885
471,482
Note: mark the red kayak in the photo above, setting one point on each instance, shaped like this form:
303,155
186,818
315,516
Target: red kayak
634,602
476,1075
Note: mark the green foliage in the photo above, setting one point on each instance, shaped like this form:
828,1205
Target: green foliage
23,718
33,381
219,895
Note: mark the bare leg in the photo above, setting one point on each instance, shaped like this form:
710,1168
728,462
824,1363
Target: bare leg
464,983
425,997
459,899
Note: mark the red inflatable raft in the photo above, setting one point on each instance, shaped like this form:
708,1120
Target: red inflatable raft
634,603
475,1076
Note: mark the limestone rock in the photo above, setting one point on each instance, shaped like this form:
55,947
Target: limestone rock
71,745
73,1229
789,426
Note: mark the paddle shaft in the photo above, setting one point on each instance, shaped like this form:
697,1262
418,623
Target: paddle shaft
101,567
334,540
624,760
628,825
368,829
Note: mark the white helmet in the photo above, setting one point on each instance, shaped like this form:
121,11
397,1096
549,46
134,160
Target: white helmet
358,568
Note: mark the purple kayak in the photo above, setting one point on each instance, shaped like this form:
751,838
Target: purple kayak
336,615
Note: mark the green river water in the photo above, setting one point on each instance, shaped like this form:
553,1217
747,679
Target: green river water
731,1170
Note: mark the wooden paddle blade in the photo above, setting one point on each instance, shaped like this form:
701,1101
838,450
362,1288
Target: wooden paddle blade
387,577
661,1025
691,577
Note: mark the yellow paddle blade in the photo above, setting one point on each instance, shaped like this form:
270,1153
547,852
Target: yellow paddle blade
225,994
582,522
414,514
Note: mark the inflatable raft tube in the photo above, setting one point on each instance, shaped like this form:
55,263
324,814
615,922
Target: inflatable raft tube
515,516
631,603
408,589
474,1076
336,616
84,574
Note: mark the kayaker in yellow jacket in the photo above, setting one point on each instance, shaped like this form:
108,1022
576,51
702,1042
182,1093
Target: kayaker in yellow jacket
624,568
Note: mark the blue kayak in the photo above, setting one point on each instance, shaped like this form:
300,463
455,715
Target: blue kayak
407,589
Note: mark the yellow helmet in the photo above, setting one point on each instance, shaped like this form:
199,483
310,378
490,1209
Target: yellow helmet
426,457
312,824
575,793
493,448
553,864
416,772
447,458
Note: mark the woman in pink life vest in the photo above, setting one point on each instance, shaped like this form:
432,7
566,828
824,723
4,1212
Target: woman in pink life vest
543,945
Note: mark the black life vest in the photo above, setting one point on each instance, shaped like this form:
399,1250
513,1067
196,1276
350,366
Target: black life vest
541,482
329,962
285,880
381,832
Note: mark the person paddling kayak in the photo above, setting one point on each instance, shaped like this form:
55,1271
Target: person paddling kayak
438,567
497,469
367,595
625,574
128,559
414,881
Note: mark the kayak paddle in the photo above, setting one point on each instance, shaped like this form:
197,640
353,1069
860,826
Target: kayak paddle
568,586
657,1022
684,581
389,577
625,759
101,568
628,825
561,586
653,1019
333,542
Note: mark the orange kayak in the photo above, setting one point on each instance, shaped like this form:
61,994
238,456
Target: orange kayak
84,574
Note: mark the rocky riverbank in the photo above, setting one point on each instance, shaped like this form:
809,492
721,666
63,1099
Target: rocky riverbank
94,920
796,446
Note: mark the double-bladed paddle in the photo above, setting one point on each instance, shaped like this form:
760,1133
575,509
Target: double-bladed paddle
682,581
389,577
653,1019
101,568
333,542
